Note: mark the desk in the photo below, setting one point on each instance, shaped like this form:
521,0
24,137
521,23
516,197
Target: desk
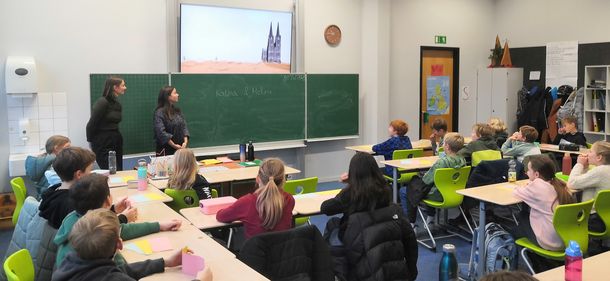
368,148
120,192
500,194
229,269
555,148
203,221
158,212
593,268
309,204
418,163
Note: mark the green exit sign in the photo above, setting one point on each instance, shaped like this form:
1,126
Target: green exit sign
440,39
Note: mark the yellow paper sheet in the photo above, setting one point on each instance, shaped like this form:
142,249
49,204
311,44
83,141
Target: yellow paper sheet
145,246
153,196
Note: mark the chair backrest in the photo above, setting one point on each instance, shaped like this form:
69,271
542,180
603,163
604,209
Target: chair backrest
602,207
407,153
571,222
214,193
182,198
483,155
301,186
448,181
19,266
20,192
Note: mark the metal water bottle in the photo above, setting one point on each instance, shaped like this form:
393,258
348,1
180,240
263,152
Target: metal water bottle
448,269
250,151
112,162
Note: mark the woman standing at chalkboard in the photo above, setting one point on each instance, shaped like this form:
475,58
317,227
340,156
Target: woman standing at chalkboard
171,132
103,126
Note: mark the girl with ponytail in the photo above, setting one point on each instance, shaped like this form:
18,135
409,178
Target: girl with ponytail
268,208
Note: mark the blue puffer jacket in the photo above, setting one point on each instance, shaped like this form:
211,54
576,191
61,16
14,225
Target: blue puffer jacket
35,166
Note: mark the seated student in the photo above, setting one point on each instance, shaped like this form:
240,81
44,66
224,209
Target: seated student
569,132
482,139
499,128
92,192
186,175
397,140
591,181
95,239
521,143
268,208
71,164
542,194
439,129
36,166
367,191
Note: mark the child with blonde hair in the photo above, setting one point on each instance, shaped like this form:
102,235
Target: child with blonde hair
482,139
186,175
499,128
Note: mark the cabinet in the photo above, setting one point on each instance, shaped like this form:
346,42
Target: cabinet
597,114
497,95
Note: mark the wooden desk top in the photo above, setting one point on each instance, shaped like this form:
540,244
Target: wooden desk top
158,212
555,148
230,269
368,148
120,192
309,204
500,193
413,163
203,221
593,269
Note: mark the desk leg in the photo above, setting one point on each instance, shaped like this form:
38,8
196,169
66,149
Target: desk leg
481,240
394,184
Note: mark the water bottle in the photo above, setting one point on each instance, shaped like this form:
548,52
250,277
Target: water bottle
566,164
242,152
573,265
448,269
250,151
512,171
112,162
142,175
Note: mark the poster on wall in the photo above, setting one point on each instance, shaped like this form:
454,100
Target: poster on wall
561,63
437,95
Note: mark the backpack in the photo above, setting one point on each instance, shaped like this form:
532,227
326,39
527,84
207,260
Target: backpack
500,251
574,105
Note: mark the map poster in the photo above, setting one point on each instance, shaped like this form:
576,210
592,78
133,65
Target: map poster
437,95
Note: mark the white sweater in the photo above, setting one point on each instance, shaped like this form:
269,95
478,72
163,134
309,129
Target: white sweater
590,182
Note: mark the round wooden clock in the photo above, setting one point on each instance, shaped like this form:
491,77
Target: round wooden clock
332,35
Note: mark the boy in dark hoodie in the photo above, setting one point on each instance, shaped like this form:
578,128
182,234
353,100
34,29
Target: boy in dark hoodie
71,164
569,132
92,192
95,238
482,139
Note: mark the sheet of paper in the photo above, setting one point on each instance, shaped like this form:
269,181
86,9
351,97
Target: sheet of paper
138,198
561,63
133,247
191,264
224,159
534,75
161,244
153,196
145,246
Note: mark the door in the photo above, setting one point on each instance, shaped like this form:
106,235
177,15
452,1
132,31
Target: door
439,71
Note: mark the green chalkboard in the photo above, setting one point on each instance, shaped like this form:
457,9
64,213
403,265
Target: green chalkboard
226,109
139,102
332,105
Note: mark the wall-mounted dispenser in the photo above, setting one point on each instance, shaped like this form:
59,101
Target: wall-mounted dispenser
20,76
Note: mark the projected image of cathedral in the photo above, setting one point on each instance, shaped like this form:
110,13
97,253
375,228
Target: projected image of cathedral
274,47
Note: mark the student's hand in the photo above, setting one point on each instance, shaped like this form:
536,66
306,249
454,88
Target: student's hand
515,136
583,159
185,143
433,136
131,213
205,274
175,259
343,177
561,131
123,204
172,225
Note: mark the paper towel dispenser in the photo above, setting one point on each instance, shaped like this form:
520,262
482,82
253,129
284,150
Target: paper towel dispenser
20,76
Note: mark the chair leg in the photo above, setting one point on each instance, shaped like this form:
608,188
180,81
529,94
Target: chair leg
526,260
230,238
433,246
515,218
466,218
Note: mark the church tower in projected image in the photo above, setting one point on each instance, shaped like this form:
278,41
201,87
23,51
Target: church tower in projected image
273,52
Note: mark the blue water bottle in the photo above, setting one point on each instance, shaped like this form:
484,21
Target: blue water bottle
242,152
448,269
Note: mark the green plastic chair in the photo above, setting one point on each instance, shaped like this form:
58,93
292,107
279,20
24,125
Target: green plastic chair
19,266
562,177
184,198
485,155
589,145
602,207
20,193
301,186
571,221
405,154
447,181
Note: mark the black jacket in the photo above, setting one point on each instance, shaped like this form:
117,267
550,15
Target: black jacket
55,205
577,138
74,268
494,171
106,115
296,254
379,245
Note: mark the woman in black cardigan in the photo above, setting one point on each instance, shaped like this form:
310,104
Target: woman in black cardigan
171,132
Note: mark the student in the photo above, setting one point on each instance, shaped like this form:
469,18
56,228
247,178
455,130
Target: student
268,208
37,166
96,239
499,128
439,129
186,175
71,164
521,143
569,132
103,126
171,133
542,194
92,192
592,180
454,142
398,140
482,139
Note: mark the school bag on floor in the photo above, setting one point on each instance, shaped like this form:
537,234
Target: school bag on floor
500,251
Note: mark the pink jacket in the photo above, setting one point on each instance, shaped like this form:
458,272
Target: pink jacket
540,196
